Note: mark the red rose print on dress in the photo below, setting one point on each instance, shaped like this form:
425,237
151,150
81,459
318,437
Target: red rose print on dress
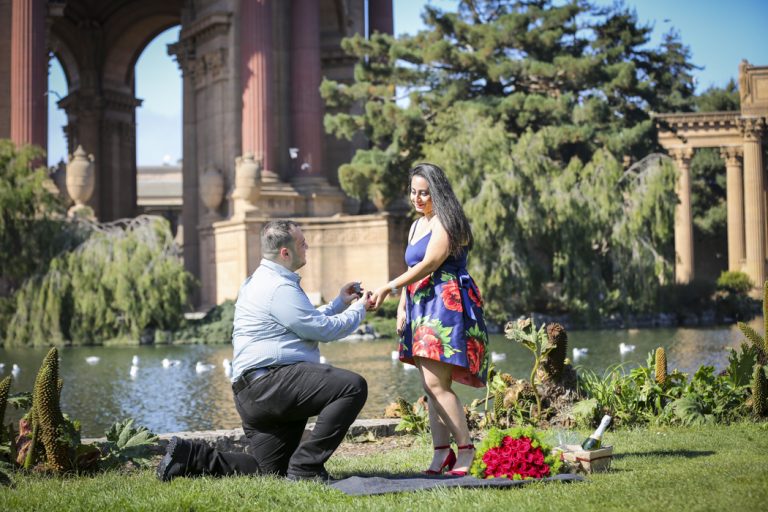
431,339
421,290
414,287
476,298
475,353
426,344
452,296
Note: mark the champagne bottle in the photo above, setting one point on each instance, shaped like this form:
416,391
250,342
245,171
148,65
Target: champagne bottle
593,442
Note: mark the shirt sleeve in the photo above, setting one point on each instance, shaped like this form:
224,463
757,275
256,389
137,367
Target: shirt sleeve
334,307
292,309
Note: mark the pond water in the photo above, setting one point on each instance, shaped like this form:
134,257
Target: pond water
180,398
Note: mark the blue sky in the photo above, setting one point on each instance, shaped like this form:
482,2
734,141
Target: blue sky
719,33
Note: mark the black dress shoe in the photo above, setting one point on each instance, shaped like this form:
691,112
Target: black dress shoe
322,477
174,462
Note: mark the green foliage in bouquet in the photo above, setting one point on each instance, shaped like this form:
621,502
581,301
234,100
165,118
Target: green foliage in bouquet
127,443
517,453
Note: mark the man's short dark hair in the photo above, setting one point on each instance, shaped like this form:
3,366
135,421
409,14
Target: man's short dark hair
277,234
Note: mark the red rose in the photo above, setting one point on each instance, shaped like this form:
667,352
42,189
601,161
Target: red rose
474,296
475,352
426,344
414,287
452,296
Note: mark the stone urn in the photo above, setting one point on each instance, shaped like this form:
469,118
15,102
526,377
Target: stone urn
80,179
212,190
247,177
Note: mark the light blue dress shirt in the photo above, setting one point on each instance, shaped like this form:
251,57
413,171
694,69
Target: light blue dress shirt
276,324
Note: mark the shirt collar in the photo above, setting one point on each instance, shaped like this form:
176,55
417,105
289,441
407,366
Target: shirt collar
281,270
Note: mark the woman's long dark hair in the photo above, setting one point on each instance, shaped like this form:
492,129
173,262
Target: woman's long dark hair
446,206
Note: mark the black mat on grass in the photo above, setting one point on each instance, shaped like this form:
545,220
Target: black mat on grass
362,486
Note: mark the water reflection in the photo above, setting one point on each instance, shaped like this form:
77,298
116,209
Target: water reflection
179,398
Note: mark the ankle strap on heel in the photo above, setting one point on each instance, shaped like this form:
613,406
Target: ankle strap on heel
466,447
444,447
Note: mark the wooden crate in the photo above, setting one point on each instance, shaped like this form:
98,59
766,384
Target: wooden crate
592,461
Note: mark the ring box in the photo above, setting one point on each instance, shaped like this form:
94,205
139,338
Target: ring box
587,461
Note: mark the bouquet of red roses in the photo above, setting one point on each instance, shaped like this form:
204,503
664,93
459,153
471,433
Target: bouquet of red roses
517,453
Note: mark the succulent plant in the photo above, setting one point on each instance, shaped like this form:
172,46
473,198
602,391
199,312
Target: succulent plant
759,389
5,388
498,404
47,413
661,366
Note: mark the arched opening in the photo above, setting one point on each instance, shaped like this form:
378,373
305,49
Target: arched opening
58,88
157,82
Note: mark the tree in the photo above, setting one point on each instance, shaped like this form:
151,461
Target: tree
33,228
534,108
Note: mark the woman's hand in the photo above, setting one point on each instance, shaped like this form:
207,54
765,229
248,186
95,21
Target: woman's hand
379,296
400,322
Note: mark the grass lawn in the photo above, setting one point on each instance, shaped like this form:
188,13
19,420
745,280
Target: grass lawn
654,469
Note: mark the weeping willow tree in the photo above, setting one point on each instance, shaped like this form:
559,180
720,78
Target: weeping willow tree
595,235
125,278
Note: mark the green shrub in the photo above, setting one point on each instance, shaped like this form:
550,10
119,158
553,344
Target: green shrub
734,282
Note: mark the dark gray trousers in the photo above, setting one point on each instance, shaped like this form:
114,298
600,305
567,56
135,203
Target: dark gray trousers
275,408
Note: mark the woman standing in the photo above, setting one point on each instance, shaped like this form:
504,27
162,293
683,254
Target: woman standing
440,315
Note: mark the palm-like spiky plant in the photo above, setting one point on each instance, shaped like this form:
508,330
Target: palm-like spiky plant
760,343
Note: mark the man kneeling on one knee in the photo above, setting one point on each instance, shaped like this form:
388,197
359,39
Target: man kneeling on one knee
278,381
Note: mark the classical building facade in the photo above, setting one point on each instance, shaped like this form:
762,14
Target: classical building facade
740,137
253,140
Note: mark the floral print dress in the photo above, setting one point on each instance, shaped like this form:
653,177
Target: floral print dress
444,318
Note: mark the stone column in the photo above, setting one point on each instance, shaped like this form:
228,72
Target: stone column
306,105
29,73
5,69
184,51
380,18
754,207
734,190
683,217
256,78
